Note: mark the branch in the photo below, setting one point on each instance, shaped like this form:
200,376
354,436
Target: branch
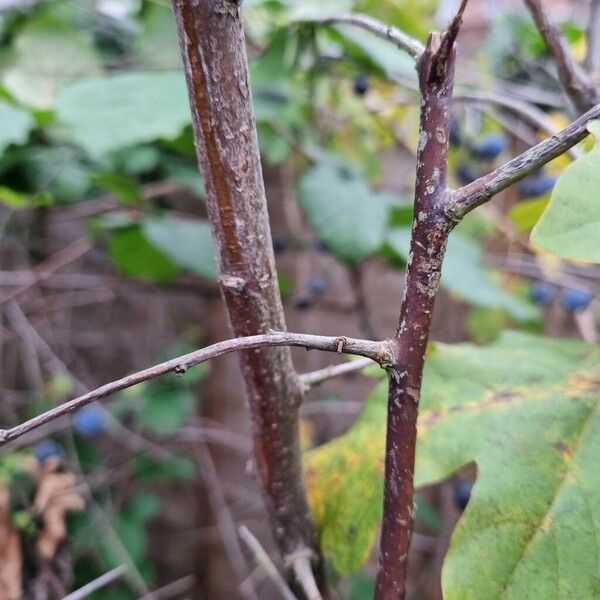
472,195
410,45
430,230
317,377
216,68
592,60
93,586
377,351
572,78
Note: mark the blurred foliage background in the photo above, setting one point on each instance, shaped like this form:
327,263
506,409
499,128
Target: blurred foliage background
106,266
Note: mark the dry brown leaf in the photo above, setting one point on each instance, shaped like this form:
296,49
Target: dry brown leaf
55,497
11,558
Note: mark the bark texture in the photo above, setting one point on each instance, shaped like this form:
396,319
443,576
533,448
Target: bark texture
431,227
212,44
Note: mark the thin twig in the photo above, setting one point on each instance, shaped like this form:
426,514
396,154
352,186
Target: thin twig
528,112
377,351
225,522
592,60
317,377
572,78
410,45
100,582
483,189
303,572
265,562
179,586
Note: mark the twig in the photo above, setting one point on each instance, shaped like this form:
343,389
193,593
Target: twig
57,261
572,78
528,112
483,189
265,562
377,351
100,582
179,586
317,377
303,573
592,60
387,32
222,514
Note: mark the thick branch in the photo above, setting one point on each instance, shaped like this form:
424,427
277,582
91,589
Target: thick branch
410,45
430,230
483,189
216,68
378,351
572,78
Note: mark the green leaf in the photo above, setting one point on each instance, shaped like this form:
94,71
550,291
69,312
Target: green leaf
125,188
157,45
176,468
165,411
48,54
465,276
343,479
526,411
110,113
15,125
136,257
186,242
527,213
348,216
570,226
311,10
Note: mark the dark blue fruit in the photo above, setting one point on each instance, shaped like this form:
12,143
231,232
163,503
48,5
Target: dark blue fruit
455,133
542,292
462,495
535,186
466,174
490,147
47,449
303,303
90,421
573,300
317,285
361,84
280,243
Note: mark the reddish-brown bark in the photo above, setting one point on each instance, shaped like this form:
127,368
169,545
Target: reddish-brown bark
215,62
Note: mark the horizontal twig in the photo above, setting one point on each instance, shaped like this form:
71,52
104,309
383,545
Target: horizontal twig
96,584
317,377
387,32
481,190
378,351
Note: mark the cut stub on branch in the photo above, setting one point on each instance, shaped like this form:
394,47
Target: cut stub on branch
11,557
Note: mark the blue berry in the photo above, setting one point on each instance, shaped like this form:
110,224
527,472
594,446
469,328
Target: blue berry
490,147
303,303
361,84
462,495
280,243
455,134
466,174
89,421
535,186
542,292
573,300
317,285
47,449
